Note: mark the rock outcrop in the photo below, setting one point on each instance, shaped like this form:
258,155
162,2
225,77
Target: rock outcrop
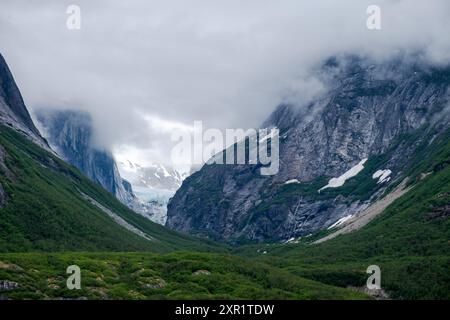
369,111
70,134
13,111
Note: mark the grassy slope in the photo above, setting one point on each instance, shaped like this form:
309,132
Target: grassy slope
410,241
45,211
128,276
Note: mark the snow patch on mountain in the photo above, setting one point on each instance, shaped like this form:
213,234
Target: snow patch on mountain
340,181
292,181
382,175
340,221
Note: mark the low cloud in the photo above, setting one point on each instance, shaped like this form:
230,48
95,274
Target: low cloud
227,63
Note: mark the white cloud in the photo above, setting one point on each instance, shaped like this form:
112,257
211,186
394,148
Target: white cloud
227,63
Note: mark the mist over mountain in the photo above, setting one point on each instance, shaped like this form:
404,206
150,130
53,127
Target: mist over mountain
13,111
70,134
48,205
173,62
369,124
153,176
100,169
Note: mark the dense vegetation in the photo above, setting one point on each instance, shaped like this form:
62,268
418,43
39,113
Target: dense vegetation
410,241
156,276
45,210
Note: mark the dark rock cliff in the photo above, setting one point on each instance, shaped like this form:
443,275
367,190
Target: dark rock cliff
70,133
369,111
13,111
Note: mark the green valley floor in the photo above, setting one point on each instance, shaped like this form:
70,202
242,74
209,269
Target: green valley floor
155,276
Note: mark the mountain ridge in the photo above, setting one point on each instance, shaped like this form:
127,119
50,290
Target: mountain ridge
13,111
369,111
44,201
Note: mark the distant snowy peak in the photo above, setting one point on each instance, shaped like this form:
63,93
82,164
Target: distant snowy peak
155,175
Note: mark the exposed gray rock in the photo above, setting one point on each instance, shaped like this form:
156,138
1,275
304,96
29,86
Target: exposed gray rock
13,111
118,219
70,133
365,112
153,283
201,273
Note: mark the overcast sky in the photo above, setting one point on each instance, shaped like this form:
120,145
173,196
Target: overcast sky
143,67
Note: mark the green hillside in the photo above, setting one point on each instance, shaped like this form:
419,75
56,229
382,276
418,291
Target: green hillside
410,240
155,276
45,209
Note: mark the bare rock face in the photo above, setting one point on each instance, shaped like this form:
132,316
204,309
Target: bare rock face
13,111
70,133
376,112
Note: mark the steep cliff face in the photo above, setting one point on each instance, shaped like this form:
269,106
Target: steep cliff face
13,111
362,132
70,134
48,205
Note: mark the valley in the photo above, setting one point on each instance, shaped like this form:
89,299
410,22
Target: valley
382,199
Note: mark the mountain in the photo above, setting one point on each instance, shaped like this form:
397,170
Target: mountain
153,186
154,176
52,216
13,111
339,154
408,240
48,205
70,133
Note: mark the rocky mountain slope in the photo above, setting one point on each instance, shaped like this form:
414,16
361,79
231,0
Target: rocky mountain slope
153,185
70,133
48,205
408,240
338,154
13,111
